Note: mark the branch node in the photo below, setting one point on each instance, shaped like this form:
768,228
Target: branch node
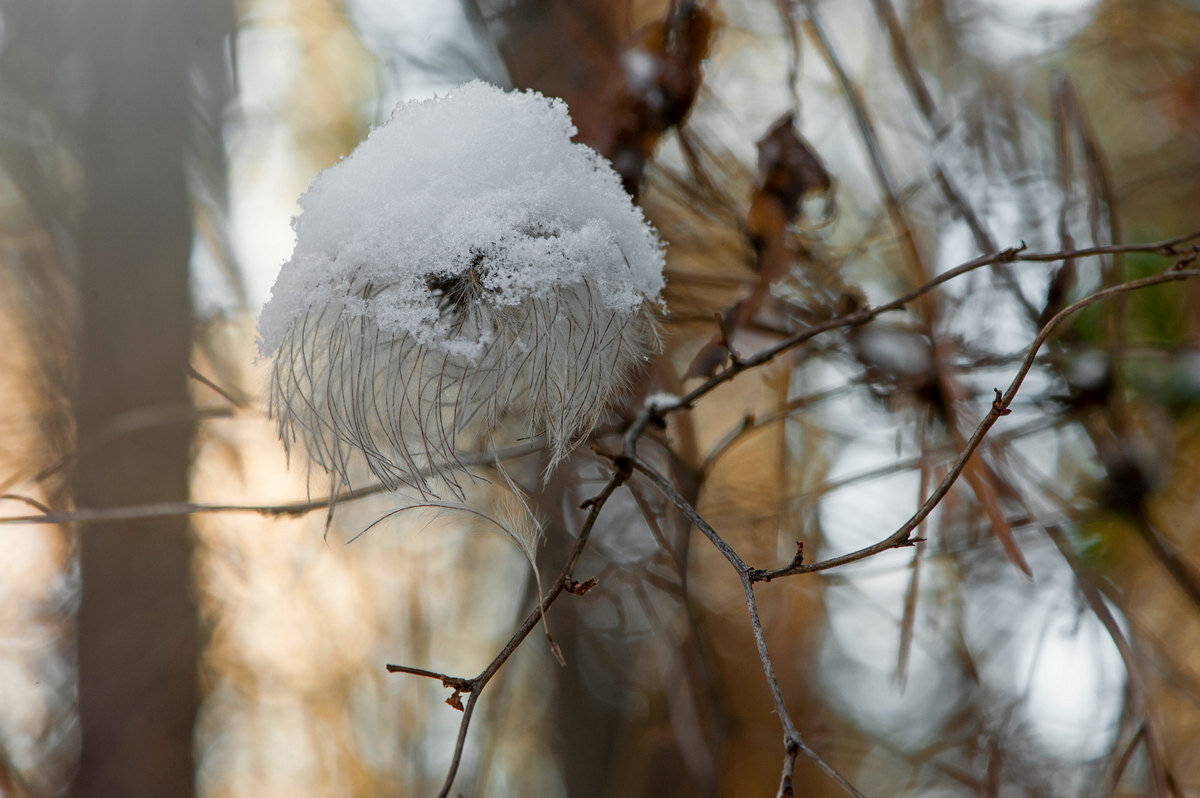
1010,254
798,558
459,684
767,574
580,588
998,404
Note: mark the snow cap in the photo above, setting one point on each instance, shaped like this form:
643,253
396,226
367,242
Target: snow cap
481,182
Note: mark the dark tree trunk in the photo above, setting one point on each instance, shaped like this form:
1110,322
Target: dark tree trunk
138,636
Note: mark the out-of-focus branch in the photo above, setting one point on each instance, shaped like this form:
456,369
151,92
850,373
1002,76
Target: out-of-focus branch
923,99
902,55
296,508
1161,777
870,139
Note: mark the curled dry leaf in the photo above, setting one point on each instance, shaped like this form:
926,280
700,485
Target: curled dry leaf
789,171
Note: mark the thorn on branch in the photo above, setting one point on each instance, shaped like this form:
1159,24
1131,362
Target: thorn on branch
998,404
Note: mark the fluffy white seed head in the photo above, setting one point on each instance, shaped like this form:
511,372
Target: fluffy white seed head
466,269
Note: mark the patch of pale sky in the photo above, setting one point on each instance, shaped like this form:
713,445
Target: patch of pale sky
864,615
1072,669
425,47
868,693
1006,31
268,57
1036,643
865,512
261,212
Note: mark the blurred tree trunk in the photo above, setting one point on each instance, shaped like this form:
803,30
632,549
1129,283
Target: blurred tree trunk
138,636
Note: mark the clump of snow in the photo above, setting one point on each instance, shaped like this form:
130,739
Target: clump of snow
466,265
662,401
481,180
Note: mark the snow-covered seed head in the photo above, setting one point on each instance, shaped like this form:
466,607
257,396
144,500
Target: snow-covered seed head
467,269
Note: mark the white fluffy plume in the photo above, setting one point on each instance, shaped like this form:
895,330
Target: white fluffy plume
467,269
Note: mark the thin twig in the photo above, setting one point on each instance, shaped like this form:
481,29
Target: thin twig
457,682
787,14
793,742
1168,247
565,581
901,537
32,502
138,512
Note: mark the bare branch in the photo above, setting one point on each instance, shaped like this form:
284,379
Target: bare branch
457,682
1168,247
296,508
793,743
564,582
901,537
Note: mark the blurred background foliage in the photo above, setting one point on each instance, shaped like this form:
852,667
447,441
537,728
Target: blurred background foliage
800,159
